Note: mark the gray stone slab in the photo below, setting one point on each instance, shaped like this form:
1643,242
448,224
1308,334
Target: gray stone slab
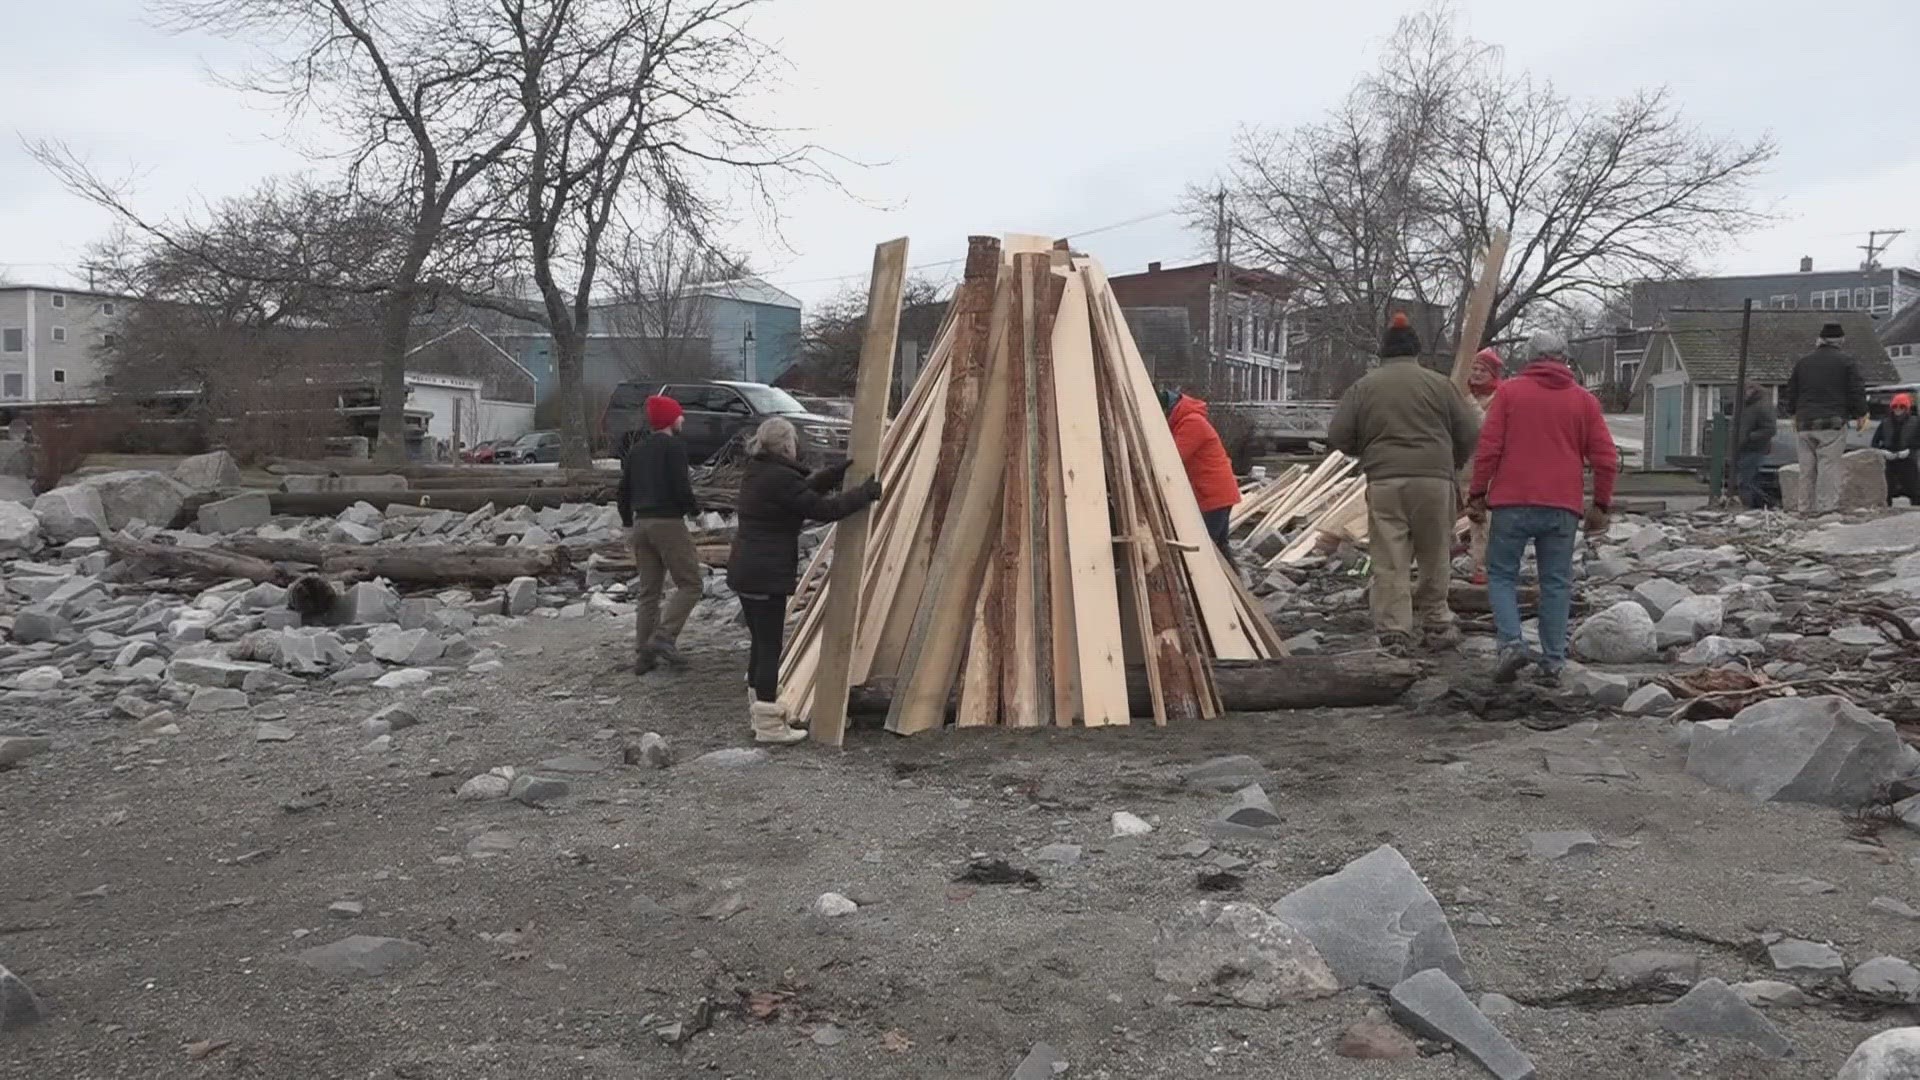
1711,1010
1823,750
363,956
1224,774
1796,955
1561,845
1374,921
1042,1062
1433,1005
1237,954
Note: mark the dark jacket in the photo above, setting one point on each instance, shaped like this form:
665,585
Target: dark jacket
1826,390
1898,433
777,497
654,479
1403,420
1758,426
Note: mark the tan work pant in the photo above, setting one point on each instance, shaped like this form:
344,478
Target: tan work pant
1822,472
663,547
1410,522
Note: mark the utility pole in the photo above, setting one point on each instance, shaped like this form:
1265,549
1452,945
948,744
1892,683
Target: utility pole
1874,246
1739,401
1222,251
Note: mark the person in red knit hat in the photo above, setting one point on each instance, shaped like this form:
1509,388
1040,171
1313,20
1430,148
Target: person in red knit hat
1543,432
656,495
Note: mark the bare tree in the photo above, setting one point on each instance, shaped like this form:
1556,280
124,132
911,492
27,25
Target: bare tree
426,95
830,339
659,310
1386,201
630,103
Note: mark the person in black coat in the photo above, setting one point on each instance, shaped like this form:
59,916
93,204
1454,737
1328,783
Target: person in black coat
777,498
1899,436
1751,445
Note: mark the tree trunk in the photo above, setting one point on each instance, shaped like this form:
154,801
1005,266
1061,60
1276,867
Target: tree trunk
396,326
410,564
569,346
1289,682
194,562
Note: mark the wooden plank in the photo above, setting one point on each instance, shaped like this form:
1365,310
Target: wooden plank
874,384
931,655
1099,668
1043,496
1473,322
1213,596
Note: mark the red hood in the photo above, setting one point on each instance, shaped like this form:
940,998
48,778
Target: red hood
1551,374
1185,407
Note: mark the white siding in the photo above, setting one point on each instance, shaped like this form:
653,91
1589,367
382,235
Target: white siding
504,420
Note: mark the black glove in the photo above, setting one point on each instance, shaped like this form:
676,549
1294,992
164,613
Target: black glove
835,473
871,489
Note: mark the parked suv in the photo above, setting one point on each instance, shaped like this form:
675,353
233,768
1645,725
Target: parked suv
534,446
716,411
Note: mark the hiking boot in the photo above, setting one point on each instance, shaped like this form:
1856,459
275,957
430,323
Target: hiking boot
1396,645
770,725
665,650
644,660
1545,677
1441,637
1507,667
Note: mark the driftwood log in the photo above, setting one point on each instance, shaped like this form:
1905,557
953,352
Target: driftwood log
415,470
1288,682
423,566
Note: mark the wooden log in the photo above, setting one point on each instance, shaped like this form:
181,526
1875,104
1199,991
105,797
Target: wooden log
354,467
195,562
330,503
411,564
1473,322
1348,680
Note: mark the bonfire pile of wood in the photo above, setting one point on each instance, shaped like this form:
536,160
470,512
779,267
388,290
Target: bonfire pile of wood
1037,536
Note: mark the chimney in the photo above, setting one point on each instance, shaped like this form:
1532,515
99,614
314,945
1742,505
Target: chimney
1153,268
1806,264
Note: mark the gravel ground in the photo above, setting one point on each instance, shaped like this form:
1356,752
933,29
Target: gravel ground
570,954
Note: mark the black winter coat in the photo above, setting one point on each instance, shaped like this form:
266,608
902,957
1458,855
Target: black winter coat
1758,425
777,498
1898,433
1825,390
655,481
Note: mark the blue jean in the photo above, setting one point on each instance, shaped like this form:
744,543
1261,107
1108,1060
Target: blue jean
1552,531
1746,478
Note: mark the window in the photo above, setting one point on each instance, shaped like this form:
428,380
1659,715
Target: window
59,375
1861,299
13,339
1784,301
1882,298
106,307
59,300
13,386
59,333
109,340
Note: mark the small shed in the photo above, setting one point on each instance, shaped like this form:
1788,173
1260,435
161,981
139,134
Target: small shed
474,388
1693,361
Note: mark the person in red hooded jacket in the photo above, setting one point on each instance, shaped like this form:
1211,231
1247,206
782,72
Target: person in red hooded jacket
1209,469
1543,431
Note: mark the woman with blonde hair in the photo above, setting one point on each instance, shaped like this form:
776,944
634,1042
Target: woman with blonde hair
777,498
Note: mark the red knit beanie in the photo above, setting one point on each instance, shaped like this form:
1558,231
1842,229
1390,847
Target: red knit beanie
662,411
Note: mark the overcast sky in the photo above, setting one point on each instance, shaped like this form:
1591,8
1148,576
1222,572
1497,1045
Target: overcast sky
1048,116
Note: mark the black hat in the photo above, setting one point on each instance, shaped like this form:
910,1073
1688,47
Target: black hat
1400,339
1832,330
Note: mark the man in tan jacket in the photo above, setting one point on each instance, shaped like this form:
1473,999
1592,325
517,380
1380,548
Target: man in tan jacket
1412,431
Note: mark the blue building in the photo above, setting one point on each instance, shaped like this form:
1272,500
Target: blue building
749,329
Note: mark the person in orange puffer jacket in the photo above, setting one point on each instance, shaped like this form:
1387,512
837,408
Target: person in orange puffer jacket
1209,469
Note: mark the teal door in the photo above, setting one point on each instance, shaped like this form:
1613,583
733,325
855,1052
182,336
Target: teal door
1669,435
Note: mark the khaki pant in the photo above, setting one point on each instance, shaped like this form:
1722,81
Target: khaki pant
1822,473
663,547
1410,522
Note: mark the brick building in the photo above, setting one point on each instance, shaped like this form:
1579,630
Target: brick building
1171,312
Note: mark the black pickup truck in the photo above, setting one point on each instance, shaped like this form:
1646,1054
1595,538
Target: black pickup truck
718,410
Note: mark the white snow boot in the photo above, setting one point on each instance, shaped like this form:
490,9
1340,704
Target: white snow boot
770,725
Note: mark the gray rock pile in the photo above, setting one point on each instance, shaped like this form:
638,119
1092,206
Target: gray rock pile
1823,750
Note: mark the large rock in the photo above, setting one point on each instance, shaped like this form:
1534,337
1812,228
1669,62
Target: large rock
523,595
412,648
1890,1055
1690,620
372,602
18,1005
208,472
1890,535
1887,976
138,495
19,531
1863,487
1711,1010
1374,922
15,749
68,513
1622,634
362,956
16,459
1823,750
237,514
1659,595
15,489
1434,1005
1238,954
207,671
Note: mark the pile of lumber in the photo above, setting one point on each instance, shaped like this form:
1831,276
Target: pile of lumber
1328,499
1037,536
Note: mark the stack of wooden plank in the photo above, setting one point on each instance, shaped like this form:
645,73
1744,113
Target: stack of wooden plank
1037,535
